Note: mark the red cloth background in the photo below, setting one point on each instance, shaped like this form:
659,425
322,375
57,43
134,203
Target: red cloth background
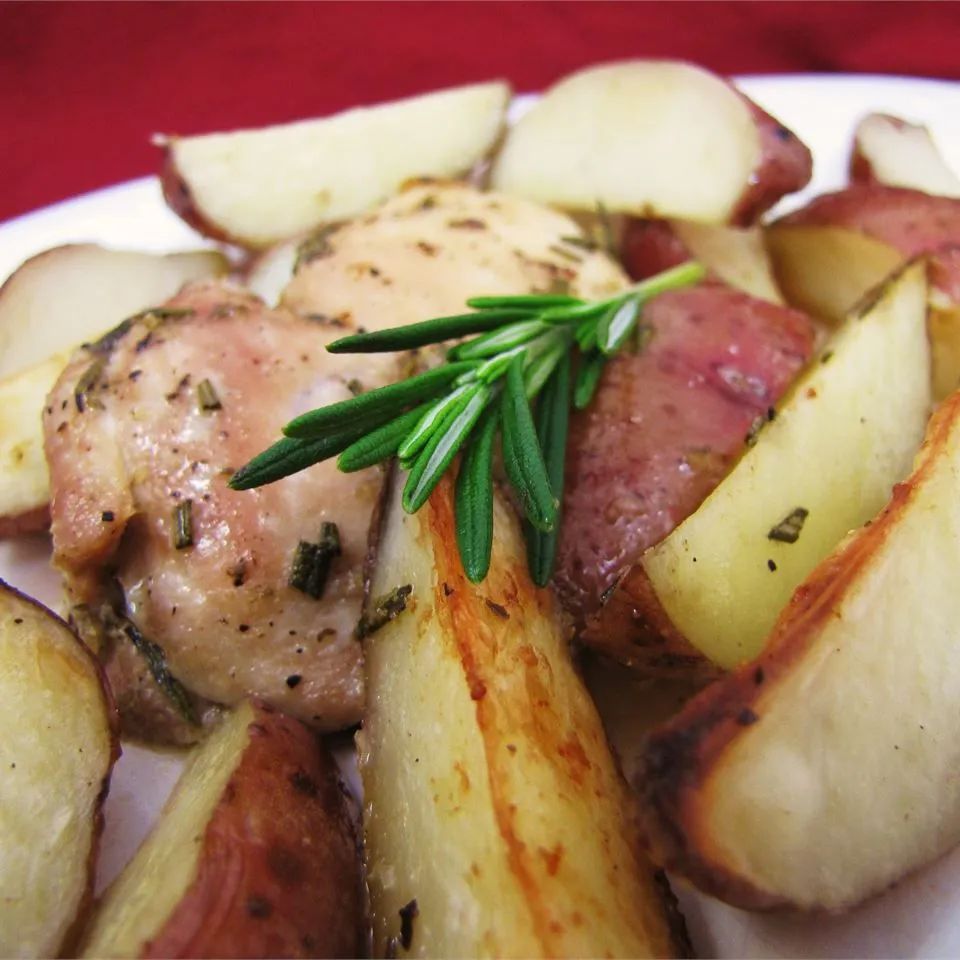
83,85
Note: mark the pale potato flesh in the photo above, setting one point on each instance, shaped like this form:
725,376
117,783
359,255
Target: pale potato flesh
24,478
635,136
257,187
826,770
836,447
826,270
490,795
65,296
271,271
57,748
900,154
737,256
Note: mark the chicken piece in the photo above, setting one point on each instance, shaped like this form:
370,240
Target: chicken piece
429,249
665,426
134,442
129,445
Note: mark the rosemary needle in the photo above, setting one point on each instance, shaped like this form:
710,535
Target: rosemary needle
588,377
429,331
433,461
473,498
522,456
553,418
384,401
382,443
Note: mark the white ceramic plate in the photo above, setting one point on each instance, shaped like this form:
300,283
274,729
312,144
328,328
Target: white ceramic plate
919,917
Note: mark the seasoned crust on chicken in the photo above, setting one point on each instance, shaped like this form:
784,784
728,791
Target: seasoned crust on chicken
130,445
426,251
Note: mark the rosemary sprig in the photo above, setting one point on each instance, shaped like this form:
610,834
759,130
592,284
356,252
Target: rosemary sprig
520,356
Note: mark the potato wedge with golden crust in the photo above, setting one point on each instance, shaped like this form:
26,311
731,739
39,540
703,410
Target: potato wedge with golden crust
57,749
496,822
633,136
825,770
825,464
255,855
257,187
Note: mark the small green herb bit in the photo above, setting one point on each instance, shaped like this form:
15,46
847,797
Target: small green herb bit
86,383
156,661
183,525
788,529
207,397
311,561
522,348
382,610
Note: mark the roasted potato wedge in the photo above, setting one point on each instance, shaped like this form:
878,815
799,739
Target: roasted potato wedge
827,255
57,750
826,770
900,154
24,478
736,256
632,136
825,270
257,187
824,465
60,298
943,320
665,427
496,822
254,855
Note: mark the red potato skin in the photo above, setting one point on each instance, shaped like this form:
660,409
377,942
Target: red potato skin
943,271
911,221
279,874
648,247
785,166
682,755
664,428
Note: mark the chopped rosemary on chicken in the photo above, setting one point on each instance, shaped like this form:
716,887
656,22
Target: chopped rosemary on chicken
514,376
